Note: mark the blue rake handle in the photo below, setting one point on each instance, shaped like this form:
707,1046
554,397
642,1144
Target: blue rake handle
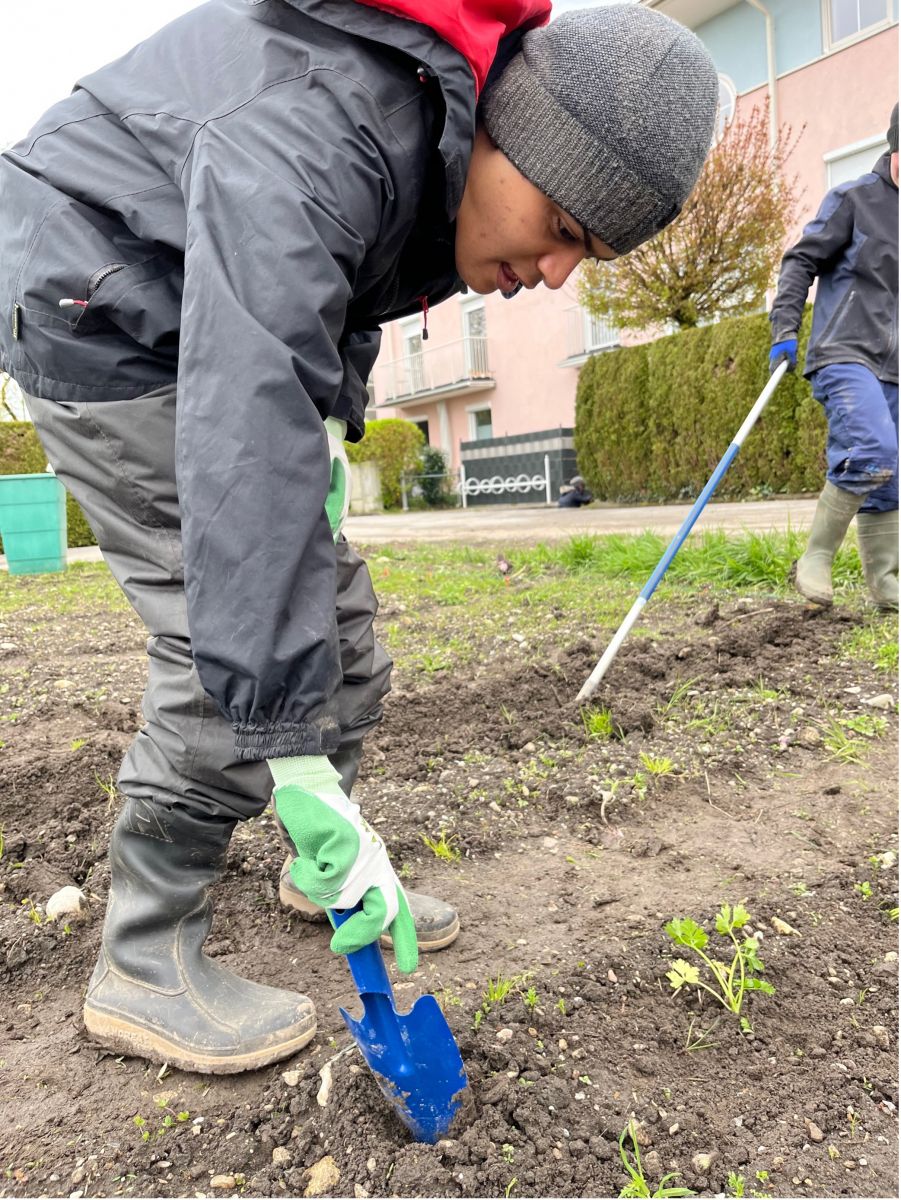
591,683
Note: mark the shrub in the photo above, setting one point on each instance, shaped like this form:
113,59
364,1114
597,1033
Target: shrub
435,484
395,445
21,453
652,421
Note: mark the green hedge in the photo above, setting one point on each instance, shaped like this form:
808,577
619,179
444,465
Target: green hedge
652,421
395,444
21,453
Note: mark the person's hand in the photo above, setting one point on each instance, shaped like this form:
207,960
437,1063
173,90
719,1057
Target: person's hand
337,502
341,860
786,350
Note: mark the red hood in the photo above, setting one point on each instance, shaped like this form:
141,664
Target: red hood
474,27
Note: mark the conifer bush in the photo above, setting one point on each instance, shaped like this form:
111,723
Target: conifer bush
652,421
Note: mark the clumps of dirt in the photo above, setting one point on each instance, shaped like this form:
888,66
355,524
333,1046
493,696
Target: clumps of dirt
509,706
556,1074
574,855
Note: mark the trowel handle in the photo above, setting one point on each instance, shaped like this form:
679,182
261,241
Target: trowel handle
367,965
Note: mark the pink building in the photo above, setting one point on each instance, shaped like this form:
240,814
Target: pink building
494,369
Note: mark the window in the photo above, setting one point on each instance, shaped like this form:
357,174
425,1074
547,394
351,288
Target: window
480,424
423,426
725,108
414,367
475,343
845,19
850,162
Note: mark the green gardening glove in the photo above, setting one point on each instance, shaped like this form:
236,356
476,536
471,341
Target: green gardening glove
341,860
337,502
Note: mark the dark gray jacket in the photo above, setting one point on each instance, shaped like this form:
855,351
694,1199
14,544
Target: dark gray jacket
242,199
851,246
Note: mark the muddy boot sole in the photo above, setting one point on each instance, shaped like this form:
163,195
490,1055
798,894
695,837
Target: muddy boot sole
812,595
126,1037
429,942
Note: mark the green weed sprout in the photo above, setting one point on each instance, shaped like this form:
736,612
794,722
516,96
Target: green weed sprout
499,989
730,981
530,999
864,889
638,1186
657,766
443,846
599,723
736,1184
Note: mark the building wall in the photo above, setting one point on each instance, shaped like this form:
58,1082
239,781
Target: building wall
855,89
529,340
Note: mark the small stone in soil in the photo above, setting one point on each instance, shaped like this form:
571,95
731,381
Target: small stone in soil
813,1131
68,902
323,1177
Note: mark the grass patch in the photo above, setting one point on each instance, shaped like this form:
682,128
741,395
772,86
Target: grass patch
875,642
82,587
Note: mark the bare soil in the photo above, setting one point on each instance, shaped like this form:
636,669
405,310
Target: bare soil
574,853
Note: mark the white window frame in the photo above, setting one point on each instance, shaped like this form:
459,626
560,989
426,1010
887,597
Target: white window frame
589,324
471,410
411,327
476,364
832,156
727,114
829,44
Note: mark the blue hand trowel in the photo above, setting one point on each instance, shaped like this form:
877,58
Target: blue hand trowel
413,1055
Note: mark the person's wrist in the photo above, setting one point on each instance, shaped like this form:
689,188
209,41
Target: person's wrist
312,772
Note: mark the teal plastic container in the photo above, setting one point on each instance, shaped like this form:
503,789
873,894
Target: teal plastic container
33,523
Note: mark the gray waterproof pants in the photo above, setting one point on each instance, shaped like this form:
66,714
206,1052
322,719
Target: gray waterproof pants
117,458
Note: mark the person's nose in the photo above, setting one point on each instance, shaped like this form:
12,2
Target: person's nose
557,266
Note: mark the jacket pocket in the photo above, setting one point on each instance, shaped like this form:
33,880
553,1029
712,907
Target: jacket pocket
141,300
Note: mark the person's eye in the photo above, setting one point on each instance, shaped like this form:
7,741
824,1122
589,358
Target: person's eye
567,234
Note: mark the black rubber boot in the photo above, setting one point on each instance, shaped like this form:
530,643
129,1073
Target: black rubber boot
154,994
437,923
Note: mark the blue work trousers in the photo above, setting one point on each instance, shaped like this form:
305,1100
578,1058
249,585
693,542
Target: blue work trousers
862,451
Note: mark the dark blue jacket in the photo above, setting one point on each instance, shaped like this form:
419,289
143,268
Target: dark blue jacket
851,246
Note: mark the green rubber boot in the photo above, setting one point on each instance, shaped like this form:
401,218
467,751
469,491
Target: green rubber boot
813,571
877,540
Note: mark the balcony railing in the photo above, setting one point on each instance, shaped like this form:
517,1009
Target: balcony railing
587,333
450,369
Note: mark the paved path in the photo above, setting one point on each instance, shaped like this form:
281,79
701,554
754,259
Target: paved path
527,523
541,524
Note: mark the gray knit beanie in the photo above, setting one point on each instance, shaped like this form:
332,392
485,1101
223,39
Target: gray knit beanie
609,111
